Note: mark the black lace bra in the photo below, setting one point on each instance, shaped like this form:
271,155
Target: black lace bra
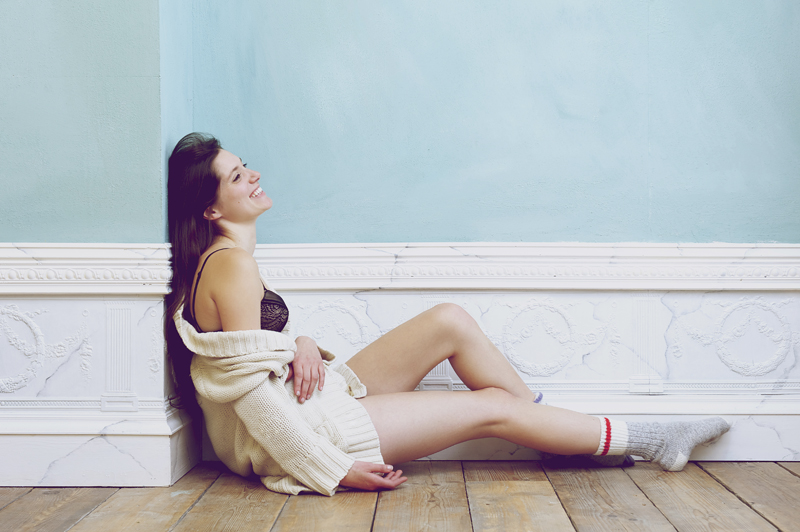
274,312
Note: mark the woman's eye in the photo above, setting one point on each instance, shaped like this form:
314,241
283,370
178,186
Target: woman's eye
235,179
244,164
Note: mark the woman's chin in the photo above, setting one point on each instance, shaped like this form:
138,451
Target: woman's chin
265,204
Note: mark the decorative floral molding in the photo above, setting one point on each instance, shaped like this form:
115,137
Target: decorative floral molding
144,268
737,319
557,323
38,352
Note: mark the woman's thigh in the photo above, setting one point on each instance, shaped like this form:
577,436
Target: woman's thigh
400,359
415,424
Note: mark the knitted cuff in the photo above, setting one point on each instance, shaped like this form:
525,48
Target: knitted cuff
613,437
323,469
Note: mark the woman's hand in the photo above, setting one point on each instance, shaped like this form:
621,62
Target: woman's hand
371,477
307,369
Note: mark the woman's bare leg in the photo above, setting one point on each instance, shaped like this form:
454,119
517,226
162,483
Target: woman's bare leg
413,425
400,359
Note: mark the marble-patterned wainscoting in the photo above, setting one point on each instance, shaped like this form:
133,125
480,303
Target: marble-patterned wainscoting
82,394
83,382
636,331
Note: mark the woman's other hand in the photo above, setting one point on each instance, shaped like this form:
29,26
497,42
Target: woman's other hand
307,368
371,477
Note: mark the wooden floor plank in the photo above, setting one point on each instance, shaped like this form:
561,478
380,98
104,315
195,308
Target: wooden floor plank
434,498
502,505
346,510
52,509
483,471
605,499
234,503
150,509
794,467
9,495
512,495
425,471
693,501
500,495
770,489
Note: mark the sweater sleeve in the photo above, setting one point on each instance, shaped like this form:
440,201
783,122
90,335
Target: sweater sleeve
301,452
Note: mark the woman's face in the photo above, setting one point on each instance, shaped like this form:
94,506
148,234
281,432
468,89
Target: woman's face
239,197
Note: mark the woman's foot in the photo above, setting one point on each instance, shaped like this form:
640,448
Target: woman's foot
668,444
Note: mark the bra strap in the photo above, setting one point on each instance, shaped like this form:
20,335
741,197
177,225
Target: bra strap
197,283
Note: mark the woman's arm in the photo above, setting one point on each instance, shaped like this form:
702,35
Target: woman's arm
307,456
234,287
300,451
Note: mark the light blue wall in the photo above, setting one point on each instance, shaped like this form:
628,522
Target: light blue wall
461,120
80,121
453,120
177,80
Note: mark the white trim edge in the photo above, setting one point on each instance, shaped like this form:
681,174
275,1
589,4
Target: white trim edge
143,269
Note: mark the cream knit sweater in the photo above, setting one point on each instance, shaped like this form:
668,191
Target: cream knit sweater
255,423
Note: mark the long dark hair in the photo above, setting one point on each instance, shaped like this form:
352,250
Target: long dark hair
192,187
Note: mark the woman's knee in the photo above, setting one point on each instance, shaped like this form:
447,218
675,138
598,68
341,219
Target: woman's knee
452,318
496,396
495,404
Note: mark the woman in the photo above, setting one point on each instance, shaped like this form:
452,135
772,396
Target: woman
275,407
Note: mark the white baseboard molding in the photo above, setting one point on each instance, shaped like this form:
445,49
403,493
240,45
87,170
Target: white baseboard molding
639,331
82,447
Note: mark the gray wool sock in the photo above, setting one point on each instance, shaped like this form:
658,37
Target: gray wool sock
667,444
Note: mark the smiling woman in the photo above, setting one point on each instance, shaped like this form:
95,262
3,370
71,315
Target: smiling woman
240,196
276,407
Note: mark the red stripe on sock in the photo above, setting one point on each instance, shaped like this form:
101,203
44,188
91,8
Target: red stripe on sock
607,443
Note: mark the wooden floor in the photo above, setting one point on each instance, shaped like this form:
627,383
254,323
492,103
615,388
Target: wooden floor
724,496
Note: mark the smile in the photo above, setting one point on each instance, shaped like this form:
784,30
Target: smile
257,192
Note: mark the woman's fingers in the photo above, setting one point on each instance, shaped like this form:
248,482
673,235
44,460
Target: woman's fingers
395,478
368,476
311,382
309,368
298,379
306,379
391,480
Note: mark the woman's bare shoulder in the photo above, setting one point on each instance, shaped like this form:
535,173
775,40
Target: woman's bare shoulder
237,259
234,286
233,267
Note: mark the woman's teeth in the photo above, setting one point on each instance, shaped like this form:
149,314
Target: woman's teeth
256,192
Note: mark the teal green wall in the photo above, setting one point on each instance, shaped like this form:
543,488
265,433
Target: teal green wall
80,137
460,120
409,120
